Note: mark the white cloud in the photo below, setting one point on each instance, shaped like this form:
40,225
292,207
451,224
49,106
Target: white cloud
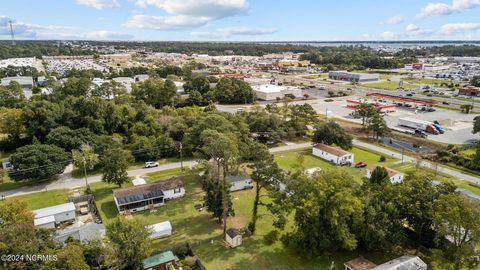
394,20
99,4
438,9
199,8
166,22
234,31
453,28
410,31
185,14
37,31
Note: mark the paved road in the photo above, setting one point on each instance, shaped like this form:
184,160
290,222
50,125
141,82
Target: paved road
425,164
71,183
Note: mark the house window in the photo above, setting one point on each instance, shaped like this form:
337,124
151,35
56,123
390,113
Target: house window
177,190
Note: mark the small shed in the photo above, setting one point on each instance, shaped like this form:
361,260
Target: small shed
234,237
359,263
161,261
47,222
162,229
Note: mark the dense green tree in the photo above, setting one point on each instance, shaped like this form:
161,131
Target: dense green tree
328,212
332,133
382,227
115,162
11,96
378,126
198,83
40,117
456,219
233,91
15,211
129,243
110,90
69,139
86,159
38,162
475,81
11,122
379,175
476,125
78,87
267,176
68,257
155,92
366,111
222,149
418,195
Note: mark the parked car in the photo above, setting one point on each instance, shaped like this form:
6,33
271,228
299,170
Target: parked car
151,164
361,165
409,95
445,103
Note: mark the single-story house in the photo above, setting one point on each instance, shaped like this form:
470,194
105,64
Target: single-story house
49,217
333,154
148,196
407,262
233,237
87,232
395,177
161,261
240,181
161,229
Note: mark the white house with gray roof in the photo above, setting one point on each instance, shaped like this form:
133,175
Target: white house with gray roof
240,181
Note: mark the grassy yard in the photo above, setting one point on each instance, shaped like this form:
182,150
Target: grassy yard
383,85
44,199
288,161
315,76
255,254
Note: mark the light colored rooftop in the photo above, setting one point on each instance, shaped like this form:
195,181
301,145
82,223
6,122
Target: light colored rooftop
43,220
57,209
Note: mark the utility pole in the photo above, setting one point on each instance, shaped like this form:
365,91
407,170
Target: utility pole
181,156
11,32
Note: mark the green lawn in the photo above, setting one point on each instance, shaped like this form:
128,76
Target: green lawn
384,85
188,224
254,254
437,82
288,161
315,76
44,199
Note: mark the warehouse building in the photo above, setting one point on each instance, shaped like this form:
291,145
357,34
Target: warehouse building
272,92
352,77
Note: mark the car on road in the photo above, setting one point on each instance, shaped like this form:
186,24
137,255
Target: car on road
151,164
409,95
429,95
361,165
445,103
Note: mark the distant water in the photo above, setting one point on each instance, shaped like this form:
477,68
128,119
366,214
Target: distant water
378,44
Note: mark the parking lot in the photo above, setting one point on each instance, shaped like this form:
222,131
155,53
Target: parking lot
458,126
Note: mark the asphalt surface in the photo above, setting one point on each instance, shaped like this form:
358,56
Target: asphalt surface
71,183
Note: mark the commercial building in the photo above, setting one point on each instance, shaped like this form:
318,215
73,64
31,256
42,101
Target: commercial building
272,92
469,91
332,154
148,196
26,82
426,67
353,77
49,217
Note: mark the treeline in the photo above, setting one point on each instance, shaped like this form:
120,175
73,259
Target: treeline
448,50
354,58
37,49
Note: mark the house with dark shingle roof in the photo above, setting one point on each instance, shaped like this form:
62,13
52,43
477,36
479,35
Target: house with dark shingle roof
147,196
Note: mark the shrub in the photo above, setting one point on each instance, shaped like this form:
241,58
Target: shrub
190,261
271,237
383,158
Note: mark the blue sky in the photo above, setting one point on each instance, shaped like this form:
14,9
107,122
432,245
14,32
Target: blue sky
242,20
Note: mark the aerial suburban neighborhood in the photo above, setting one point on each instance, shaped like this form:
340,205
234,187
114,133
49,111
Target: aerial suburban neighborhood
240,134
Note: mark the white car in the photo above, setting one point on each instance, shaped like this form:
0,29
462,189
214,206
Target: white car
151,164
